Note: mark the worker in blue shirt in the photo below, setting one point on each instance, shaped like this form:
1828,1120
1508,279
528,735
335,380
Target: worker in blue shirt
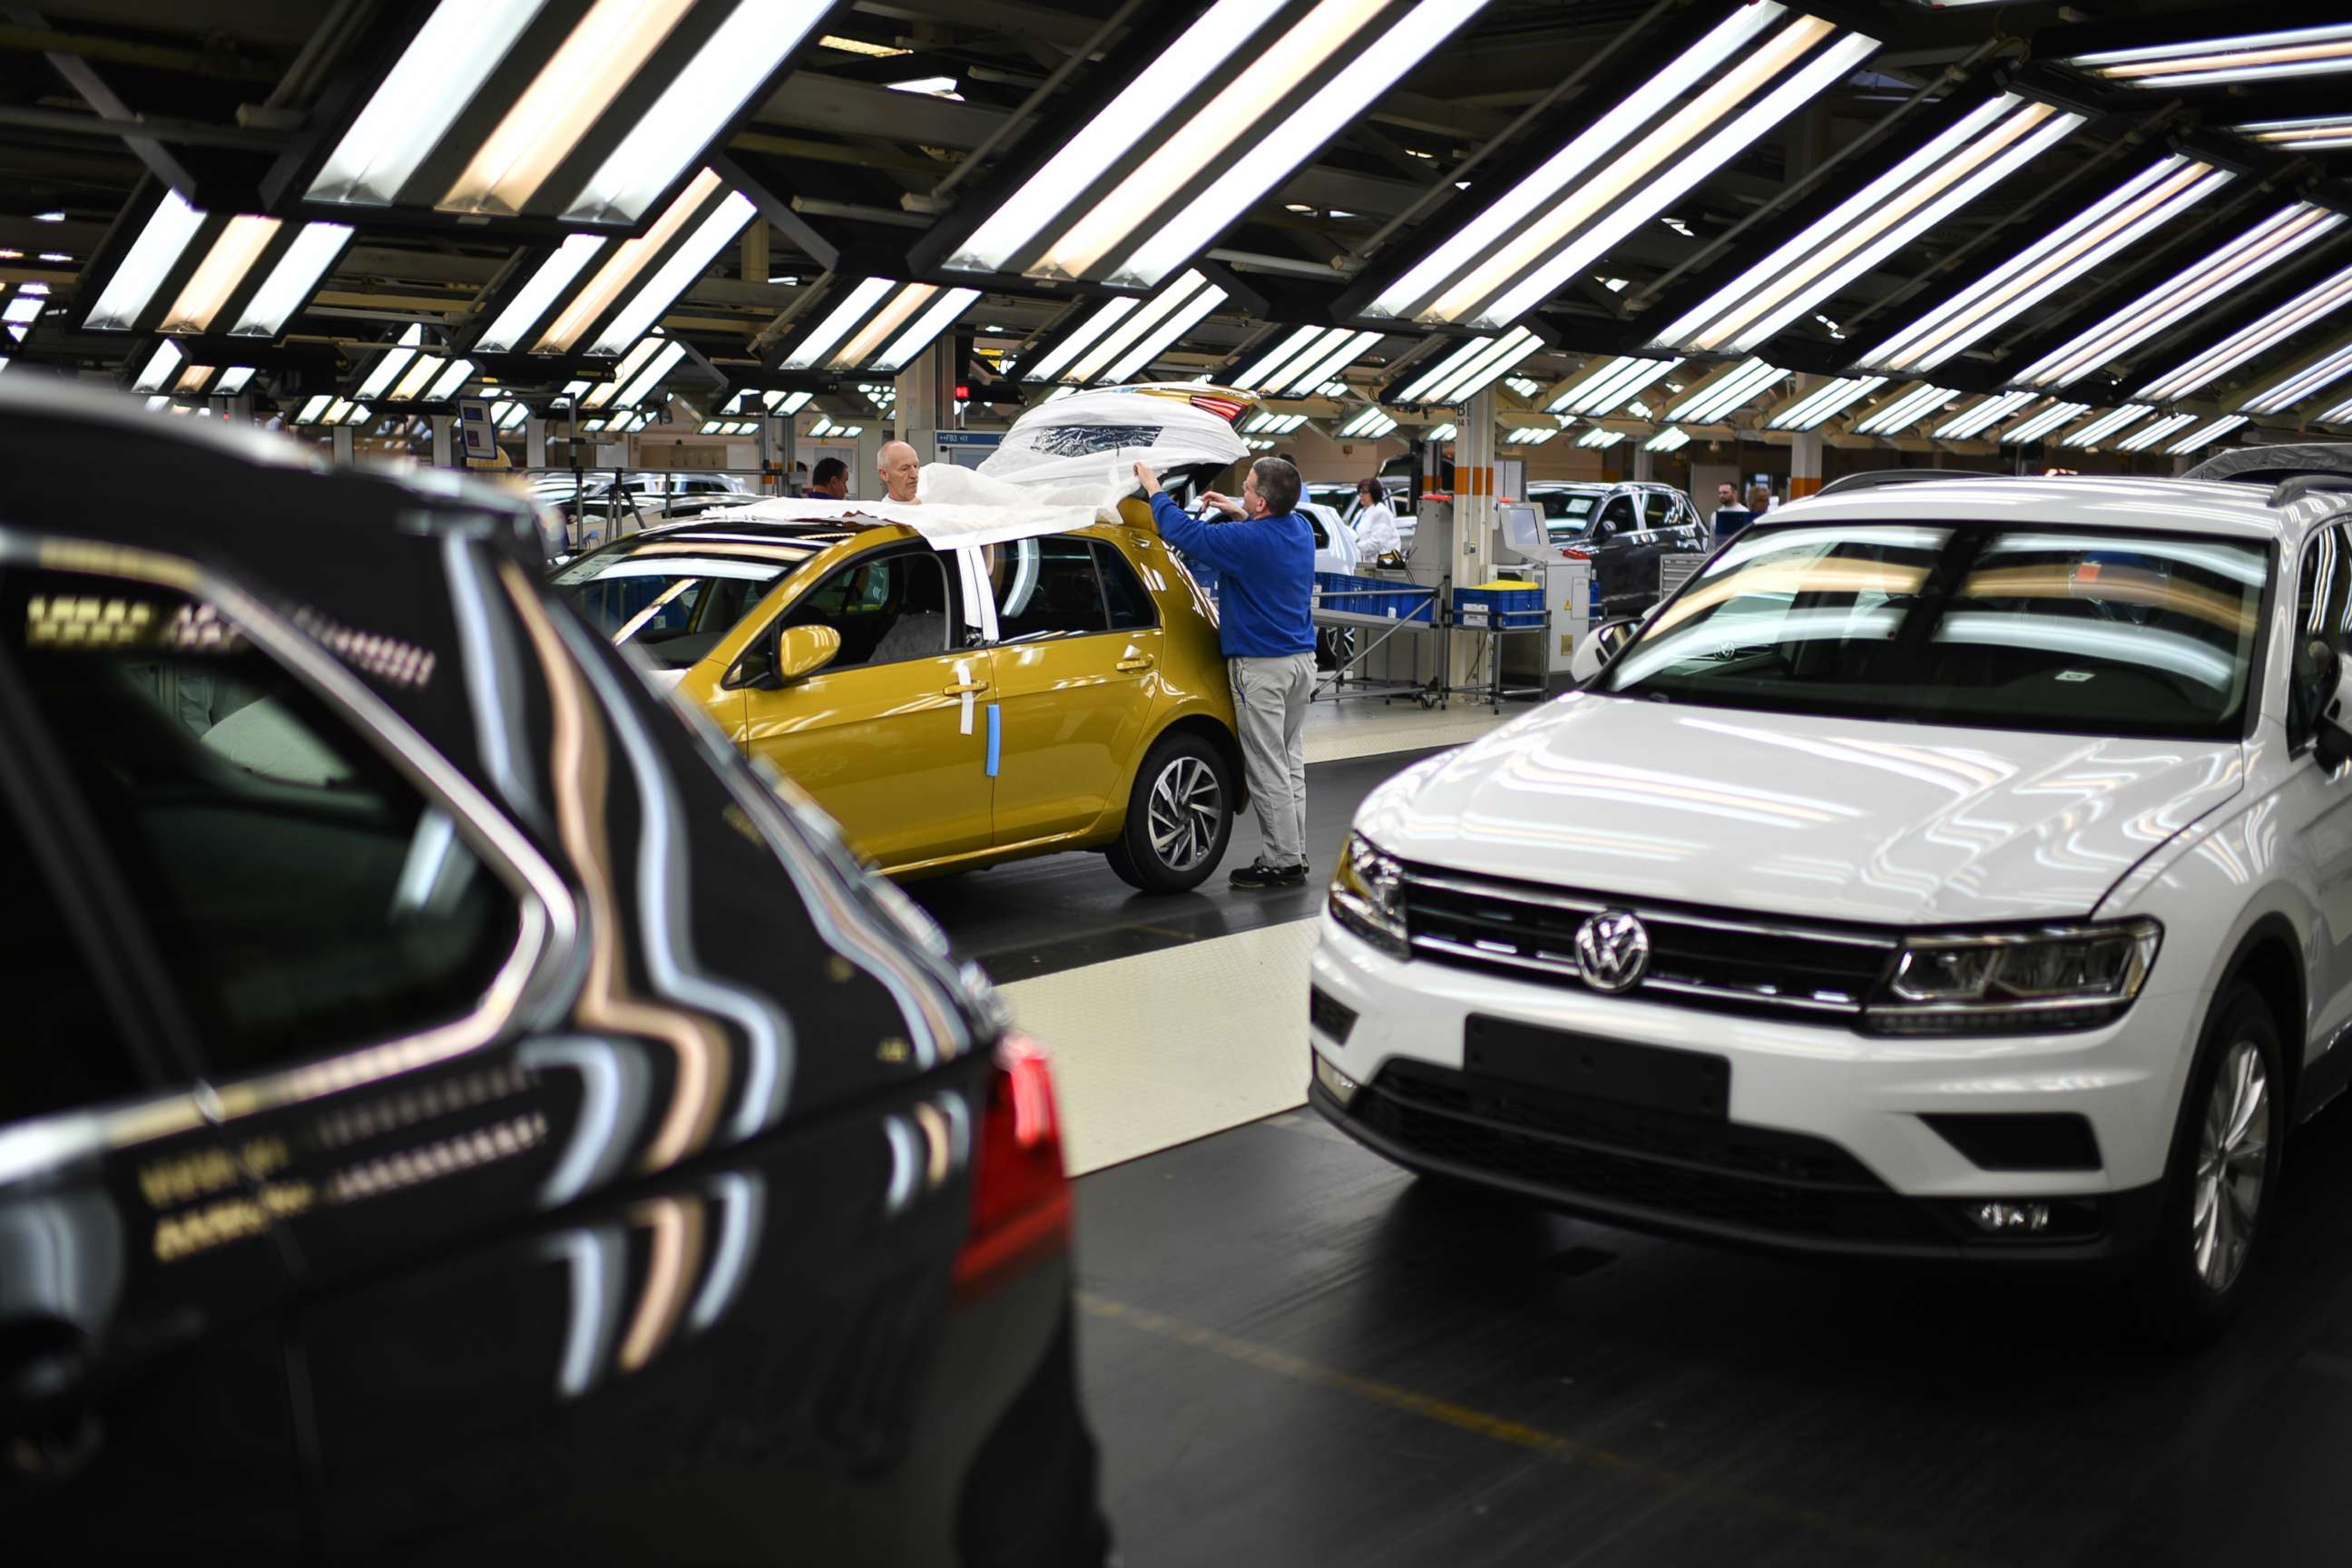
1267,623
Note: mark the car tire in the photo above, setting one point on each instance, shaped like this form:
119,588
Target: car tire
2221,1182
1180,816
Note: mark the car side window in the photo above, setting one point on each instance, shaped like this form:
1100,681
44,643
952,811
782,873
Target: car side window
1047,587
1131,605
1616,517
2323,603
302,893
887,609
64,1051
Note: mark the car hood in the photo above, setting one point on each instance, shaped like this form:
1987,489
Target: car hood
1830,818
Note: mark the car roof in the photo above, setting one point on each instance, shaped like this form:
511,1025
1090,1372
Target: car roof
2194,506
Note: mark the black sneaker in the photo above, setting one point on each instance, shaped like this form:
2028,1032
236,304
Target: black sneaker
1255,877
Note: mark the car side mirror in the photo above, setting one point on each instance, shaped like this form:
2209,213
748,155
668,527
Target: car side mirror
2332,737
802,651
1600,645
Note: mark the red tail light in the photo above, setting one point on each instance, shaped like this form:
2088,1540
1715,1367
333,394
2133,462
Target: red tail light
1020,1199
1227,407
1577,554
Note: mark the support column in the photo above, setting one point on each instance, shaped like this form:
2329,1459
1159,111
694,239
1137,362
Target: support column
866,482
1473,515
1644,460
342,437
1804,464
443,448
920,388
534,443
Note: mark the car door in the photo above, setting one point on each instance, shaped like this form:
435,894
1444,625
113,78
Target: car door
891,737
2316,805
144,1280
1078,643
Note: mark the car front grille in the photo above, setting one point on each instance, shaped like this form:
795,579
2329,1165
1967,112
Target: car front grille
1699,957
1639,1163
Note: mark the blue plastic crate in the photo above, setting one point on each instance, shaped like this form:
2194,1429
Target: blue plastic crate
1382,596
1509,608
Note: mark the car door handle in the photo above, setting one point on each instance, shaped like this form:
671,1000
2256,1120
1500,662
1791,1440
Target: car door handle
964,688
1137,661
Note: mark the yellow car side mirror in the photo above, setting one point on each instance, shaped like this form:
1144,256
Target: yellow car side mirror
802,651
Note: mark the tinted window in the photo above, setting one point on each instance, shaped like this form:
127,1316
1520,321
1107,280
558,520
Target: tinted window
1658,509
62,1051
303,894
1616,517
886,608
2093,632
673,599
1130,605
2323,607
1047,587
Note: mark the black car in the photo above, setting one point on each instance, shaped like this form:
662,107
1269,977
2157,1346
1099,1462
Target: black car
458,1110
1624,527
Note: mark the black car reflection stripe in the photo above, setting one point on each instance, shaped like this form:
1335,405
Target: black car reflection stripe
578,766
613,1077
665,861
673,1260
743,1200
491,668
597,1263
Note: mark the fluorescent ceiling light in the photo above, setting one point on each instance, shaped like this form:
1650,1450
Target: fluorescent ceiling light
2309,379
837,325
2209,62
860,46
621,268
1673,438
1471,366
682,272
634,393
1628,167
952,303
439,72
1824,402
2043,423
1526,386
785,403
313,409
290,282
23,307
695,107
2198,439
538,297
162,239
2106,424
1151,317
2340,414
1299,344
1982,414
358,413
2149,435
1531,436
1368,425
451,380
2319,133
1149,341
1905,410
1097,322
2211,278
1609,387
603,50
1095,210
159,367
193,378
336,412
1336,356
233,381
2321,298
410,387
1724,394
224,268
388,363
2147,202
1600,438
1986,146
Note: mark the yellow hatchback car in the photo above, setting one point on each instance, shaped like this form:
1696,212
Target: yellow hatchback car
950,707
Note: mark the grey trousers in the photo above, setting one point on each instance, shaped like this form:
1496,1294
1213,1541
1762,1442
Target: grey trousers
1270,697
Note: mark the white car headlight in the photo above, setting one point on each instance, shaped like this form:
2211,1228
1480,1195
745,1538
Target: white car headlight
2057,977
1368,896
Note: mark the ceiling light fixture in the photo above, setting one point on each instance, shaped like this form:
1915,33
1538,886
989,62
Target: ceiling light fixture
2205,435
2148,436
1981,414
1461,375
1368,425
1742,78
1984,147
2109,424
1673,438
1600,439
2041,423
1724,394
2212,276
1609,384
1531,436
2319,133
2214,62
2321,300
1905,409
1815,408
2143,204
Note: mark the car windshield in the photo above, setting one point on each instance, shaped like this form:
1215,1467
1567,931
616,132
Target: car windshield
2080,631
674,599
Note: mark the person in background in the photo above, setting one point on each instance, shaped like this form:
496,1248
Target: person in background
902,471
799,484
831,483
1375,524
1266,626
1730,517
1759,501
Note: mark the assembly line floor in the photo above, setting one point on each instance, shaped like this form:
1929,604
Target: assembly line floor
1294,1353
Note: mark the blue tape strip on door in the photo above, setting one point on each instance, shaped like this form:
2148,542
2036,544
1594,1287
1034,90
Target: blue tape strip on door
995,733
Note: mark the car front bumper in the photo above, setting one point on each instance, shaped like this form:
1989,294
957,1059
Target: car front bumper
1822,1146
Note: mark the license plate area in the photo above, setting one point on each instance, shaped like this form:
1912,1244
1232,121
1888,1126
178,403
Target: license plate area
1687,1083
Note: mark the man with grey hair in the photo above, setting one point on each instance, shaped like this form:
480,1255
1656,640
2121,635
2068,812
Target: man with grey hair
902,471
1265,621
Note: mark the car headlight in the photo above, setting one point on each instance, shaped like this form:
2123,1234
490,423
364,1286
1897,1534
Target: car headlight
2059,977
1368,896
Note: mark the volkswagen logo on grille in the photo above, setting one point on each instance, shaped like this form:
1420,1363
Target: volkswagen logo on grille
1612,951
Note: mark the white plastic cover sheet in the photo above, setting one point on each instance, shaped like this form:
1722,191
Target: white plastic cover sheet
1063,464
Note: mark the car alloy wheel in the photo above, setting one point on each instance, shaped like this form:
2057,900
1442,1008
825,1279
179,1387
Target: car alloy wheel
2232,1154
1186,803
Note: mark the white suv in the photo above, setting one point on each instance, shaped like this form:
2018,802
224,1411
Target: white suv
1957,869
